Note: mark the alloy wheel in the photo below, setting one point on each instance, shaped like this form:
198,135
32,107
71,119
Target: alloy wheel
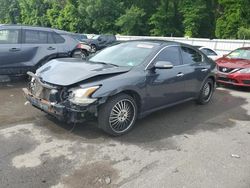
122,116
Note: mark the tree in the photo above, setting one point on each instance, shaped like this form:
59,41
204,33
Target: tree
33,12
243,33
9,11
101,15
131,22
166,20
196,18
232,16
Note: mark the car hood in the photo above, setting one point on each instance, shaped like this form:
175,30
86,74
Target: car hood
233,63
65,72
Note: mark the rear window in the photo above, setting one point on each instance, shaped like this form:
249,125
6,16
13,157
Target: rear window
58,38
9,36
35,37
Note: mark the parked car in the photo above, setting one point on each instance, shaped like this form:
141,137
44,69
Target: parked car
99,42
209,52
83,49
25,48
79,37
122,83
234,68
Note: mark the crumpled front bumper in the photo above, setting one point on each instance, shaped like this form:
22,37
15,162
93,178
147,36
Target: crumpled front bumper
70,114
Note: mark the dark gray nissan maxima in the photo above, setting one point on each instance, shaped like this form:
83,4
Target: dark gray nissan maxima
121,83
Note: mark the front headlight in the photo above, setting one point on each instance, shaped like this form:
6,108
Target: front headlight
81,96
245,71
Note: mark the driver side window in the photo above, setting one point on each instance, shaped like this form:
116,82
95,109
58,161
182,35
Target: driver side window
170,54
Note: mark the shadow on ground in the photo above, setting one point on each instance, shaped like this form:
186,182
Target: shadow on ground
187,118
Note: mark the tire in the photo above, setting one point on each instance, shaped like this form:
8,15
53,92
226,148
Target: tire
206,92
93,48
80,54
118,115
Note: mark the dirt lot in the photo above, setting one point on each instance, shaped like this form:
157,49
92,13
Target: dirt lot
185,146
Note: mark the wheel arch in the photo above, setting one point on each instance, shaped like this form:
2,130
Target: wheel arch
129,92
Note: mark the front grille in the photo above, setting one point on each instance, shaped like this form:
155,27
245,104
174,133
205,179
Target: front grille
227,80
226,69
246,81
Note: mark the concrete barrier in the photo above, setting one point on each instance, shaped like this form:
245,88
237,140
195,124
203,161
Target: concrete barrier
220,45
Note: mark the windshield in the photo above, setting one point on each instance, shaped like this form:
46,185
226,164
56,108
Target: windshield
125,54
240,54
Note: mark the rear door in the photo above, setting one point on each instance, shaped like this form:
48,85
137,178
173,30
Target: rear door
38,46
10,47
195,70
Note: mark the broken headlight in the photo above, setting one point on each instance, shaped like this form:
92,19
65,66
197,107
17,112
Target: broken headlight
82,96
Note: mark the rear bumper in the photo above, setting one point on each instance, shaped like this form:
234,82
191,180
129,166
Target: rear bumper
234,79
63,112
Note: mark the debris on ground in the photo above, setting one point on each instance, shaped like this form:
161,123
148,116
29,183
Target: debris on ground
235,156
107,180
26,103
186,136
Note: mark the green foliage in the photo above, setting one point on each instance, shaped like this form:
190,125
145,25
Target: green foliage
131,23
9,11
166,20
33,12
243,33
193,18
101,15
232,15
196,18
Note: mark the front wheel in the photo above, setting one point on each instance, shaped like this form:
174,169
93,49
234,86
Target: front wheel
118,115
206,92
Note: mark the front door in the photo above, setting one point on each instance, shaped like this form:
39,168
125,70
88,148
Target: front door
166,86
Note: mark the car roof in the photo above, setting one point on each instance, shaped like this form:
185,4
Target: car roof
36,27
162,42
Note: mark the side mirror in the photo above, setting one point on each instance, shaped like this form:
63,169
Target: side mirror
163,65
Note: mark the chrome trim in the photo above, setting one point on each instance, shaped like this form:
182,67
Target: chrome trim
158,54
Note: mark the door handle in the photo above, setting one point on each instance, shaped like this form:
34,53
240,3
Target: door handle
15,49
51,48
180,74
204,70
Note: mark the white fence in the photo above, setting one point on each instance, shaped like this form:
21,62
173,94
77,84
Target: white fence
219,45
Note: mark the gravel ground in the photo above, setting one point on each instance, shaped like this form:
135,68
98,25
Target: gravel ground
184,146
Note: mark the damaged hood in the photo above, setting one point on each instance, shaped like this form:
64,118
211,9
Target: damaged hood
68,71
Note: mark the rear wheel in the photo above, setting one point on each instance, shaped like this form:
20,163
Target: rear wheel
80,54
118,115
93,48
206,92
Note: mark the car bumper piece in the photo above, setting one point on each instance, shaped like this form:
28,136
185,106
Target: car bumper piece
74,114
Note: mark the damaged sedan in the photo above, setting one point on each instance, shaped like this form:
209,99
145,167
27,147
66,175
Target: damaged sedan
122,83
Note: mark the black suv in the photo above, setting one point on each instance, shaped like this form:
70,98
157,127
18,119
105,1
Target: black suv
25,48
99,42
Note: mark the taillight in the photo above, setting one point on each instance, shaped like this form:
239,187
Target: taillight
80,46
